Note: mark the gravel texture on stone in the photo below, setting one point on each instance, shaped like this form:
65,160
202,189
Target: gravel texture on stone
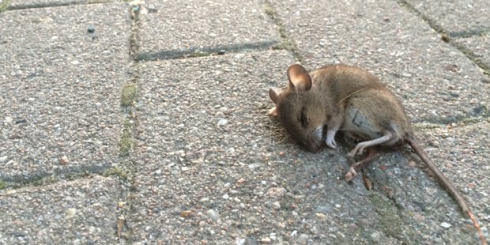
464,150
170,28
215,169
461,152
75,212
458,18
208,165
61,88
480,47
436,81
24,4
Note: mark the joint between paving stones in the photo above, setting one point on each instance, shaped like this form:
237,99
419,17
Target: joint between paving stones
7,6
4,5
473,57
446,36
389,212
126,169
477,115
43,178
286,43
126,142
469,33
134,37
205,51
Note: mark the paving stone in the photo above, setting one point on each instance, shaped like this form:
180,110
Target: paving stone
464,156
24,4
210,166
210,157
480,47
214,168
59,102
436,81
171,29
461,153
76,212
458,18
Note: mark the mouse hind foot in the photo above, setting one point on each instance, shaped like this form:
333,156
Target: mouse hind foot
352,172
359,148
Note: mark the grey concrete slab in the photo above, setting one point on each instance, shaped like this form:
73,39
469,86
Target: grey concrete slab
61,88
172,29
457,18
479,46
20,4
462,154
215,169
77,212
465,151
24,4
435,80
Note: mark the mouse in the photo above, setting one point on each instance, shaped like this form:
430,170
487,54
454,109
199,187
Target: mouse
349,99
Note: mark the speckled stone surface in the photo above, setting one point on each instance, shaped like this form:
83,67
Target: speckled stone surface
437,82
480,47
24,4
202,162
210,184
221,171
75,212
61,88
458,18
172,29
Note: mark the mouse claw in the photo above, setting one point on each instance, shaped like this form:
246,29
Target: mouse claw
331,143
350,174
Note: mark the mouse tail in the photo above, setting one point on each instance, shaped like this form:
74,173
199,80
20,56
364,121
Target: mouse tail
439,175
447,184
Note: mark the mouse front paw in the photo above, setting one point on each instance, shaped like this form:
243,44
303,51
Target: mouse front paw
331,143
330,140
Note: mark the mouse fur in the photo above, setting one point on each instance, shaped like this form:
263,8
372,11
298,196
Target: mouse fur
339,97
350,99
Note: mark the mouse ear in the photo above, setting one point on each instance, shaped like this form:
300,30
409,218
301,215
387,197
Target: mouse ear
299,78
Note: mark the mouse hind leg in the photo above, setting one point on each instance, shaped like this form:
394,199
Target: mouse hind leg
359,148
372,153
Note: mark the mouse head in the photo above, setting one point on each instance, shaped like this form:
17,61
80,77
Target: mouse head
300,108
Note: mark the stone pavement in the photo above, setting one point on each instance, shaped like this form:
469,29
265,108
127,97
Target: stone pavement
145,122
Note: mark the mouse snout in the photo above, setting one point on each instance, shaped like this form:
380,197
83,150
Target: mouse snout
314,141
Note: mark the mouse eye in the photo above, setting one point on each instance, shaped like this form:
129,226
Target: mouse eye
303,118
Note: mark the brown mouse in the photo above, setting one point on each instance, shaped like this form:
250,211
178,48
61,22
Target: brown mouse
349,99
